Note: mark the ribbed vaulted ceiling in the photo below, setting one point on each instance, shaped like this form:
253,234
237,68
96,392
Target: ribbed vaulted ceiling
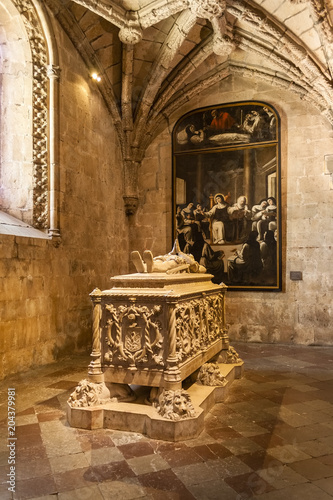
154,56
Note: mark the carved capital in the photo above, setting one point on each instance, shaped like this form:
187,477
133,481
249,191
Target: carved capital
222,46
130,35
53,71
131,204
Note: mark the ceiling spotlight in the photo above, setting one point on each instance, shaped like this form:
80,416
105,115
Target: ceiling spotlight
96,77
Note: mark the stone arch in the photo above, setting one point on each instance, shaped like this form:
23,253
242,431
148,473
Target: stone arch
16,167
29,114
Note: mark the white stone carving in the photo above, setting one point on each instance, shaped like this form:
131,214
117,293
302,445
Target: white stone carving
89,394
40,113
130,34
133,336
175,405
209,374
207,9
229,356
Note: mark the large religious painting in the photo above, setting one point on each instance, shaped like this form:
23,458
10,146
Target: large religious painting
226,193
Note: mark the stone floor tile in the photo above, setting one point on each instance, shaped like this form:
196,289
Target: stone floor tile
206,452
305,491
281,476
195,473
161,483
147,463
99,456
75,479
51,415
44,497
259,460
180,457
248,428
94,440
29,469
120,438
31,453
248,485
325,484
219,450
308,433
26,419
288,454
230,466
113,471
213,490
268,441
120,490
68,462
139,449
241,445
87,493
223,433
204,439
40,486
316,448
318,416
312,469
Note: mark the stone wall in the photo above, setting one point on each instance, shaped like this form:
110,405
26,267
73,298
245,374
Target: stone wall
44,288
303,312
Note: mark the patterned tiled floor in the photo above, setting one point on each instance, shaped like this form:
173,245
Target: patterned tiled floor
271,439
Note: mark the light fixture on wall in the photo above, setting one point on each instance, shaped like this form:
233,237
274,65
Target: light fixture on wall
96,77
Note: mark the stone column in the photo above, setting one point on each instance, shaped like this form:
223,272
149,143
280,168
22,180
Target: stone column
53,72
172,377
95,367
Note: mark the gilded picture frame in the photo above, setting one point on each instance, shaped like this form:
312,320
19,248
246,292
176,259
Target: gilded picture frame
227,193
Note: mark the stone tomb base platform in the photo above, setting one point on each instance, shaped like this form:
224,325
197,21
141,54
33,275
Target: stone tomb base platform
140,417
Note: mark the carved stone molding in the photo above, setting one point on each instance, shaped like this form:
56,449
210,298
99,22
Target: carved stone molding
40,111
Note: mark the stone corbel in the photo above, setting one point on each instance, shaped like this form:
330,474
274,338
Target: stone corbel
131,204
131,198
131,32
222,45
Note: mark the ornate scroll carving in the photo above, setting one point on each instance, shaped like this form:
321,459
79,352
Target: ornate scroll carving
40,116
175,405
199,322
89,394
133,336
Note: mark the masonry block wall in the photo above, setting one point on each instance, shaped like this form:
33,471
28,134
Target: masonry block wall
44,288
302,313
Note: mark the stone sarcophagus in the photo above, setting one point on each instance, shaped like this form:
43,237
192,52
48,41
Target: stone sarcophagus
156,329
